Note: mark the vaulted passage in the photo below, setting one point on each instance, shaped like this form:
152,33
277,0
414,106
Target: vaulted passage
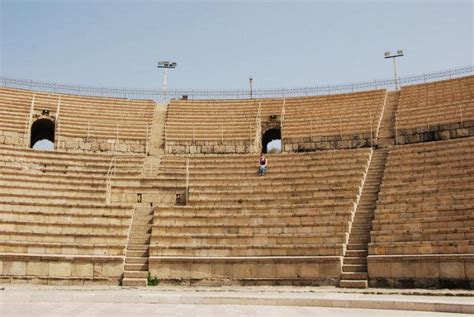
271,141
42,131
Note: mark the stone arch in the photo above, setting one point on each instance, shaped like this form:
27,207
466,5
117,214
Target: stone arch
42,129
270,135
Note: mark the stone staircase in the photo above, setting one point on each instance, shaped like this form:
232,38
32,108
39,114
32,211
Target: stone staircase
157,143
386,135
354,269
136,260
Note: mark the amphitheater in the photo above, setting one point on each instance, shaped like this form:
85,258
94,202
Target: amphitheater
372,188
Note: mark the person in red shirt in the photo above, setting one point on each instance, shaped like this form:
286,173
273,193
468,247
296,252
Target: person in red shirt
262,169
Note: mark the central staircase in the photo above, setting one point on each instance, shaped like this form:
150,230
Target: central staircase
354,268
136,260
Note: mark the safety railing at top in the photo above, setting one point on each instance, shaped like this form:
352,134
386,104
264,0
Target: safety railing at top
157,94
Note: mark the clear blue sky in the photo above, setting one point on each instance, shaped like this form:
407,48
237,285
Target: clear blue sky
218,44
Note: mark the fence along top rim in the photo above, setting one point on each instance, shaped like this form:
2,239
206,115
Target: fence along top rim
135,93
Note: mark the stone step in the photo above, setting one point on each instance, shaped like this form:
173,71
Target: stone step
357,246
142,282
138,247
135,274
353,283
359,241
136,267
137,253
144,240
136,260
354,268
356,253
355,260
136,229
354,275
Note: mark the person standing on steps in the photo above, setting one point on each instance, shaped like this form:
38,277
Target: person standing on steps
262,169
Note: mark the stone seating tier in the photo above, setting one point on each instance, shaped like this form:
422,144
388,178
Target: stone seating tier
425,210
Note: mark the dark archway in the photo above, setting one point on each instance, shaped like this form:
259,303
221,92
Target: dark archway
269,136
42,129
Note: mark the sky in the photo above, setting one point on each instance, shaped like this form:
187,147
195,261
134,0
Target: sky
219,44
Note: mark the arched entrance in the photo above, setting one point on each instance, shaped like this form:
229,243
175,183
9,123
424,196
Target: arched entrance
271,140
42,134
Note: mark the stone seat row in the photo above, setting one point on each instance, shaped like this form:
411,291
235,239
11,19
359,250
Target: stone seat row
403,211
426,198
60,248
243,159
295,113
66,236
219,215
423,234
307,208
206,240
422,247
417,223
246,250
76,210
63,155
444,99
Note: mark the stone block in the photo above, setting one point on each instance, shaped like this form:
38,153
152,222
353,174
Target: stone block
266,270
379,269
14,268
329,269
244,270
112,269
444,135
308,270
218,270
468,269
160,270
286,270
59,269
343,144
180,270
427,270
462,133
82,270
201,270
451,270
402,269
37,268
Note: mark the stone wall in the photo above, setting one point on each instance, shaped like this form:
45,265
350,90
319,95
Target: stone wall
11,138
327,142
309,270
60,269
208,147
101,145
422,271
435,132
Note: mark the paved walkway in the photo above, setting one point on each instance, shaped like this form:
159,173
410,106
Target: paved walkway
27,300
121,309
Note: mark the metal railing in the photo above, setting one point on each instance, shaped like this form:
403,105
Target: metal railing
111,172
157,94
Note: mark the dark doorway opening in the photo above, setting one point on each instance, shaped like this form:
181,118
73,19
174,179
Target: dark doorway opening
42,134
271,141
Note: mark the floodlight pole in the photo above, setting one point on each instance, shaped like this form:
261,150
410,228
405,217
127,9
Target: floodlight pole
388,55
166,65
251,88
165,83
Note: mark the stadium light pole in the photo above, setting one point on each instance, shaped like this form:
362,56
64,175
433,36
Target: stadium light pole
251,88
166,65
388,55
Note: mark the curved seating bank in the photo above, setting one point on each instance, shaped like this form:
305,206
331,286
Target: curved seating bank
373,188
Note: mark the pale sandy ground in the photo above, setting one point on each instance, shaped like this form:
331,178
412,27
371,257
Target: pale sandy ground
71,301
118,309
